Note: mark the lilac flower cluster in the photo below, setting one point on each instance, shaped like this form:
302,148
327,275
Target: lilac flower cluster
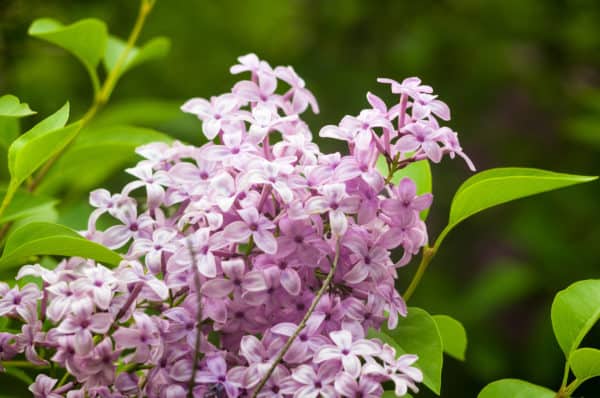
250,267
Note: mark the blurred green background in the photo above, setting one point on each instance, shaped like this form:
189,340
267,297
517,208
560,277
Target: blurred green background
522,78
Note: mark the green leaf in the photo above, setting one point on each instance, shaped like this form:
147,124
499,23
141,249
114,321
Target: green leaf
85,39
24,205
454,336
32,149
10,106
9,131
513,388
155,48
41,238
87,153
417,334
497,186
574,311
419,172
585,363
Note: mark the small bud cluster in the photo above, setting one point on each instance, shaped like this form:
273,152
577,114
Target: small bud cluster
226,247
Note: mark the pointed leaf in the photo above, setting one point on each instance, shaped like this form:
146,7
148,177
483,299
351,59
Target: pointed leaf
155,48
41,238
454,336
87,153
514,388
32,149
585,363
10,106
574,311
24,204
417,334
86,39
496,186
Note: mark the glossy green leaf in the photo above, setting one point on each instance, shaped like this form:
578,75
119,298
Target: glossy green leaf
513,388
574,311
155,48
41,238
85,39
9,131
417,334
10,106
87,153
496,186
585,363
24,205
454,336
419,172
32,149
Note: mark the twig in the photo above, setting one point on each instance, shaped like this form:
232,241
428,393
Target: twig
192,382
302,324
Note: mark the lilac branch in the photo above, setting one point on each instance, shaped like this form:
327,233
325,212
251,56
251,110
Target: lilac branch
302,324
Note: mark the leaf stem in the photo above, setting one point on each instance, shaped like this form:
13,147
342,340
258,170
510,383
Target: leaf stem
427,255
21,364
103,94
302,324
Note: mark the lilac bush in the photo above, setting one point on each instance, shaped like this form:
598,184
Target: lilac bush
253,265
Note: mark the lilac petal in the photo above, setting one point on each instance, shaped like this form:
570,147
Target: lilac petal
357,274
211,127
205,377
216,365
346,385
252,349
101,322
304,374
284,328
116,236
254,281
433,151
290,280
365,348
327,353
265,241
207,265
83,342
407,143
233,268
317,205
342,338
237,231
351,365
217,288
338,222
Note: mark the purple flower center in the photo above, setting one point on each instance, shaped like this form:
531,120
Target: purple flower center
133,227
253,226
345,351
298,239
318,384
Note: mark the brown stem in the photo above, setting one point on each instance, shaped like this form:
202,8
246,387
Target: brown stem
192,382
302,324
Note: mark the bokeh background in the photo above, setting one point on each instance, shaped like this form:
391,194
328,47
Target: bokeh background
522,78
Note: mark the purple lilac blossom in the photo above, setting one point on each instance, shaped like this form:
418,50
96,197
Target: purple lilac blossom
258,223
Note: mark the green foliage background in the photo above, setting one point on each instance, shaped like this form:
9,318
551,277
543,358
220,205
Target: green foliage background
522,78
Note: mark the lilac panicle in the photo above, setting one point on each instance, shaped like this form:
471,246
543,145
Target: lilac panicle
225,246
